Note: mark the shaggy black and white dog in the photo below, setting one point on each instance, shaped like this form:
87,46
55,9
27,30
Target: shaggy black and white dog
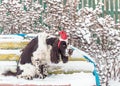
39,52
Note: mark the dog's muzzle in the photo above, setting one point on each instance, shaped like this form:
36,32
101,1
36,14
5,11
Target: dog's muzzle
69,51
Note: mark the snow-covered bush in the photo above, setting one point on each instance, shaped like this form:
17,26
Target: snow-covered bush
91,33
96,36
20,17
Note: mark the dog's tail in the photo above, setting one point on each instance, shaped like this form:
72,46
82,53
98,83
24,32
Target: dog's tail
13,73
9,73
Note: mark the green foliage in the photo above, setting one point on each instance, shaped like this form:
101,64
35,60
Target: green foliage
25,8
98,40
1,29
40,19
94,35
46,25
64,1
34,0
35,23
0,1
20,1
40,1
45,5
60,28
8,13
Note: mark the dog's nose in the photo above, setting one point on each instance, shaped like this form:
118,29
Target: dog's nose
70,51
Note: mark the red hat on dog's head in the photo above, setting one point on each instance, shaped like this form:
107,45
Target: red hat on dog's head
63,35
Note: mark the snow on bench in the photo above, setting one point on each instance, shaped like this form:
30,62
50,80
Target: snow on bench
10,53
60,68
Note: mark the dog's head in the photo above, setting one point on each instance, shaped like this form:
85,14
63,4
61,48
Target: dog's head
60,50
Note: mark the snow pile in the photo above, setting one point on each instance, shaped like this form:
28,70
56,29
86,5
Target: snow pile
11,37
76,79
73,66
70,67
17,52
7,65
114,83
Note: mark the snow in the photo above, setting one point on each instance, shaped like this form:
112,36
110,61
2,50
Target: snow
79,53
13,40
4,66
81,78
75,79
10,37
70,66
114,83
31,35
17,52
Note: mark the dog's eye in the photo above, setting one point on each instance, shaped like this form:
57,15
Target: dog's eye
64,45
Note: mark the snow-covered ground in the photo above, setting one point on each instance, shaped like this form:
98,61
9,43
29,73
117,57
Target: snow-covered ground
82,78
75,79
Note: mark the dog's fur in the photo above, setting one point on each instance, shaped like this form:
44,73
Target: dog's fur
39,52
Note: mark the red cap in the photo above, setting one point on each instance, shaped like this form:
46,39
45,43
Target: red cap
63,35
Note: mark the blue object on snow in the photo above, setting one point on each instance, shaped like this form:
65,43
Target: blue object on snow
89,60
22,34
95,72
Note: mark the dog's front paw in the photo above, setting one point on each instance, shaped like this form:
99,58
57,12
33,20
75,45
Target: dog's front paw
44,76
28,77
39,76
45,72
41,71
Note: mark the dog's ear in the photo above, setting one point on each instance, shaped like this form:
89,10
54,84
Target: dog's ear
64,58
28,51
63,48
54,55
51,41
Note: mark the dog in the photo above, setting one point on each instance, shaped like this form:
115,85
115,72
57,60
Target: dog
38,53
